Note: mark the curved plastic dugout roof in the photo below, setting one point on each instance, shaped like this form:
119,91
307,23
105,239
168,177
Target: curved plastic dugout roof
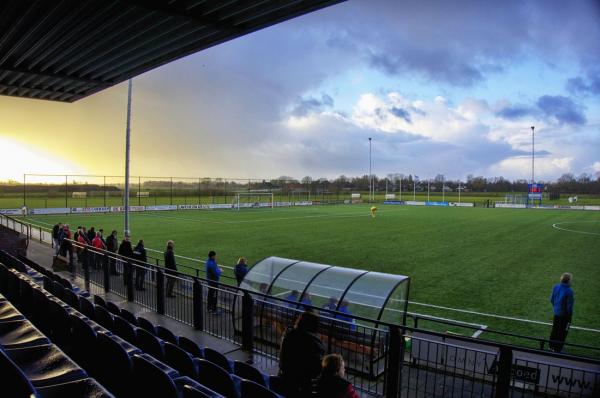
369,294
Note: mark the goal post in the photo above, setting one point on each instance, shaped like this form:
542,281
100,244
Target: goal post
253,200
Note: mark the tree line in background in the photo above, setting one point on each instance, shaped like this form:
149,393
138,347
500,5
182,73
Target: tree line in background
566,184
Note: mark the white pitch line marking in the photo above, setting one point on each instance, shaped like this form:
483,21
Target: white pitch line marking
470,311
556,226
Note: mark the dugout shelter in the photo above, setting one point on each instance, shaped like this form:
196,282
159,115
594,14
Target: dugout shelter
359,302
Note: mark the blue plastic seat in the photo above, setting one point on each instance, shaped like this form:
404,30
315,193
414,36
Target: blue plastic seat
80,388
86,307
45,365
20,386
217,358
58,290
113,308
179,359
8,312
83,343
125,330
128,315
150,344
115,366
72,299
26,298
150,380
60,323
103,317
248,372
166,334
276,384
146,325
99,301
12,286
20,333
216,378
189,388
251,389
190,346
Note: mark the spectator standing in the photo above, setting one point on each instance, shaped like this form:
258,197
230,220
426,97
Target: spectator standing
98,244
300,356
55,233
332,383
112,245
213,274
126,250
562,299
91,234
139,254
241,269
84,243
170,265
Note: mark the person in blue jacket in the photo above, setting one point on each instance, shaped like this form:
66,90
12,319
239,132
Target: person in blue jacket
213,274
562,300
347,317
241,269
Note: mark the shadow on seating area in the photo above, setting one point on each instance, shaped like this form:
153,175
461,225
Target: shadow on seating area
57,341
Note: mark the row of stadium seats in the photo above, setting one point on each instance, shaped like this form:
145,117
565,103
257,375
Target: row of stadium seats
31,366
100,333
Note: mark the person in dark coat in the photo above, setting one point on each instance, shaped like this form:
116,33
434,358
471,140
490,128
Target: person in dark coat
171,265
139,254
300,356
332,383
241,269
55,234
126,250
562,300
213,274
112,245
91,234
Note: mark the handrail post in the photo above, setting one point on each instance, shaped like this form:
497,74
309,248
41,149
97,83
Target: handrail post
160,291
86,270
247,322
394,362
106,272
504,369
198,305
129,278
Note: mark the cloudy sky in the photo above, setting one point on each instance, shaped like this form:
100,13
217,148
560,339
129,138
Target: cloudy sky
442,88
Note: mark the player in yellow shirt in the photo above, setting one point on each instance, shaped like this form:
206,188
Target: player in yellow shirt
373,211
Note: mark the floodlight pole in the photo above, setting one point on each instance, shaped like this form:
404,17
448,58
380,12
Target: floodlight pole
414,189
428,180
127,150
533,154
459,192
370,174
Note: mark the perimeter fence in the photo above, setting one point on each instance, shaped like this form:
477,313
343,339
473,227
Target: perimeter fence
383,359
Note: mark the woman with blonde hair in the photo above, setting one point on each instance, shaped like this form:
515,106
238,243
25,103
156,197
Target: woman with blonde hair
332,383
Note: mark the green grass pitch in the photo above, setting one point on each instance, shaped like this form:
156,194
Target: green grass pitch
492,261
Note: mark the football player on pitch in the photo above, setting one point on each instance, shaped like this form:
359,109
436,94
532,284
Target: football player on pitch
373,211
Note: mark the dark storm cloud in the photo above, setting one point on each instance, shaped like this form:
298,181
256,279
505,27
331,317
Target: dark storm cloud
304,106
235,98
562,108
515,112
401,113
585,86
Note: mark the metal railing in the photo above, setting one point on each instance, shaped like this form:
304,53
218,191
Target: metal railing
382,359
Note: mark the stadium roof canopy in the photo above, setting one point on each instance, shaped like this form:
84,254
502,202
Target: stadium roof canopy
66,50
372,295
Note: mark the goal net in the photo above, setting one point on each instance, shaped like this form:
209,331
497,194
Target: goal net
250,200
